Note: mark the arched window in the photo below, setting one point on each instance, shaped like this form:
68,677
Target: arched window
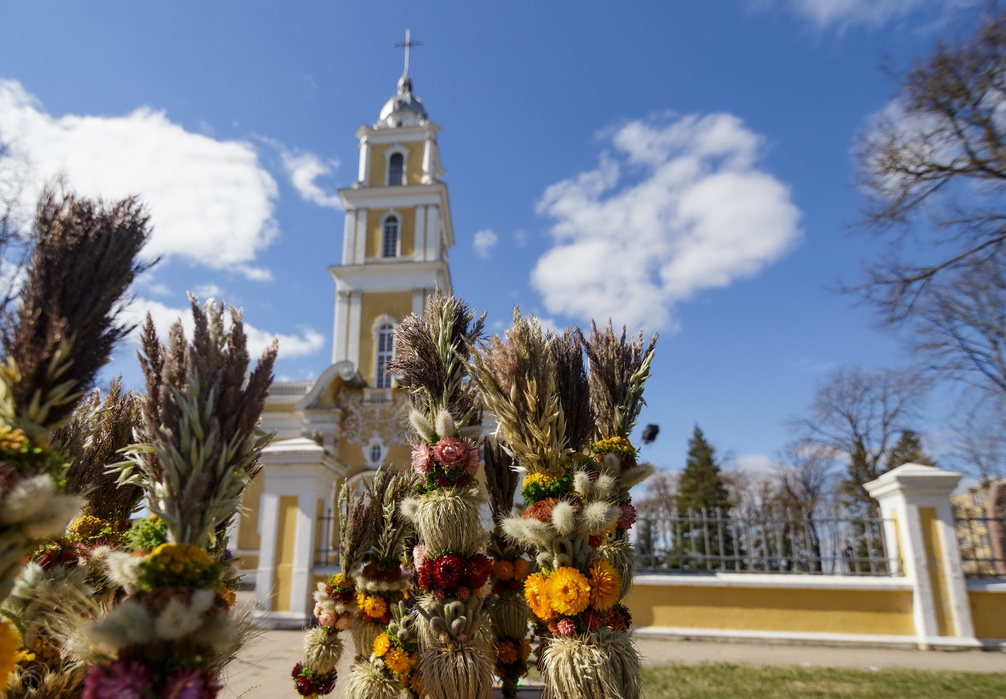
376,452
385,352
389,242
396,169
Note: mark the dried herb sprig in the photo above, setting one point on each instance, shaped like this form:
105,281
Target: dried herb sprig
97,431
84,259
198,445
430,354
519,382
619,368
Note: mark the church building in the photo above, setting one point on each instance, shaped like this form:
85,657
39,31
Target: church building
351,420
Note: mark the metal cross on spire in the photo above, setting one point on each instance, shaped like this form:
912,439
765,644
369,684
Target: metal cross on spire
408,44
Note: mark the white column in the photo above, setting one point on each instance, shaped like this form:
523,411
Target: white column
353,330
433,234
363,175
420,239
418,301
915,502
340,343
428,147
361,237
348,236
268,524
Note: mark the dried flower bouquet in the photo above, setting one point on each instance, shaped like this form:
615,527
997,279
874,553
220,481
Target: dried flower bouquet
175,631
535,384
452,573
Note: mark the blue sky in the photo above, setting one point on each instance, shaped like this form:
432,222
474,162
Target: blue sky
682,167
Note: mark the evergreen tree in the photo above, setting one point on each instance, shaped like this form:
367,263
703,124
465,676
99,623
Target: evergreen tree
701,544
908,450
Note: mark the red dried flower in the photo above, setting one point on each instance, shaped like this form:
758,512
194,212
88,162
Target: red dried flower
592,620
449,571
424,574
480,567
627,518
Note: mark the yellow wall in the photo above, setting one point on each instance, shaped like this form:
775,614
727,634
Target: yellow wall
248,537
406,231
988,613
286,540
379,164
886,612
373,305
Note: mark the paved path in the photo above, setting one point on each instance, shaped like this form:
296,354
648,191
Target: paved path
262,670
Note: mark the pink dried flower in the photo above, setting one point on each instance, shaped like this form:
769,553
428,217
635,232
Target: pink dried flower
422,458
566,627
418,554
125,679
457,454
327,619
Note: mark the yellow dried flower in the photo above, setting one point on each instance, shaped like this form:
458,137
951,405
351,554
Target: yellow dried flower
614,445
10,650
605,585
381,644
399,661
12,439
568,591
536,594
374,606
520,568
86,526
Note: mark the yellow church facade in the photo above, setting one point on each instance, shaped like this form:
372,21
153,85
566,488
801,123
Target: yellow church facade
351,420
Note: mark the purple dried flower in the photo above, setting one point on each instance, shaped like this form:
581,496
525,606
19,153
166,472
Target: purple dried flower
124,679
192,684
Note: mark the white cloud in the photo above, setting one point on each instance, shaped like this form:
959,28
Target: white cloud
674,209
755,465
205,292
304,169
484,242
210,201
869,13
309,342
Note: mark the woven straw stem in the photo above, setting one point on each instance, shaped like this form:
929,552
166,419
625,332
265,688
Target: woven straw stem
448,520
367,682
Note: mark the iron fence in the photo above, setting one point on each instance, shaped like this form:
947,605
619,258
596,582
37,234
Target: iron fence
772,542
982,541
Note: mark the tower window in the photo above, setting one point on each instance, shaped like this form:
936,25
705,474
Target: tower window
396,169
385,352
389,242
376,453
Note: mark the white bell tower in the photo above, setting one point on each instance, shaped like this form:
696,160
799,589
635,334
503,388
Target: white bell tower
396,235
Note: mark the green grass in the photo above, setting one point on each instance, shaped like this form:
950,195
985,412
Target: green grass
725,680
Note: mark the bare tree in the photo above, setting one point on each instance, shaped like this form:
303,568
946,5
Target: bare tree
959,328
936,163
978,439
859,415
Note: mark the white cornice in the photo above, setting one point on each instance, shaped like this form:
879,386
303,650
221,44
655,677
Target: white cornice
399,276
398,133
